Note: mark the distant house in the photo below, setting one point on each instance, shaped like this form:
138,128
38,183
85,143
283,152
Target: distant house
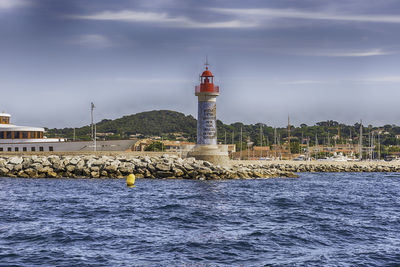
168,146
176,146
141,144
104,134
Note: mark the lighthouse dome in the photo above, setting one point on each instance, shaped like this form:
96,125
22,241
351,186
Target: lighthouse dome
206,73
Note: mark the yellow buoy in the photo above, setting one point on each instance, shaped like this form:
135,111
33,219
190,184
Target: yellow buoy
130,180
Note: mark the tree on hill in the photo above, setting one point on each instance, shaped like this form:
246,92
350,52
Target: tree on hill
151,123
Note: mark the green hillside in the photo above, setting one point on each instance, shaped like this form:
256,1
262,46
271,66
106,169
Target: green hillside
151,123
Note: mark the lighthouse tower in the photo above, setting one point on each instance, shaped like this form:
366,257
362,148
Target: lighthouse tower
207,148
207,94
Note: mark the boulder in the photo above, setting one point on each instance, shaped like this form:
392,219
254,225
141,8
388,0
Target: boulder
163,167
15,160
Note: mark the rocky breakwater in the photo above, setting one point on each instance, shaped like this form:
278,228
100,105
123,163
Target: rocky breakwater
326,166
91,166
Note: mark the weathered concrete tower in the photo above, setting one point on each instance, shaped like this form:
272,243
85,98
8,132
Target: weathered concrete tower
207,94
207,148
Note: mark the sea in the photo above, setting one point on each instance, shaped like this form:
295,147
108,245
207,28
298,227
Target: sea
319,219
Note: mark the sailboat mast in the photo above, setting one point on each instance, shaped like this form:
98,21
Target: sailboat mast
241,141
261,141
233,141
360,141
289,152
316,145
275,141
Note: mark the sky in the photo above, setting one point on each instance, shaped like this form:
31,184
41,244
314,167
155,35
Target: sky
312,60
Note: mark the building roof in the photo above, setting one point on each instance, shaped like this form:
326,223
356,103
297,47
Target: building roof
11,127
4,114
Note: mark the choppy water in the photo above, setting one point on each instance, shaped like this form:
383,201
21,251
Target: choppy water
317,220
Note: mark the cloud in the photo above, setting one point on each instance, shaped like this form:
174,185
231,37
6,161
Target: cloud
242,18
93,41
162,19
300,82
134,80
8,4
374,52
383,79
268,13
352,53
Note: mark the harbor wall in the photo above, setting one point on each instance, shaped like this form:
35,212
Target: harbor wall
168,166
119,166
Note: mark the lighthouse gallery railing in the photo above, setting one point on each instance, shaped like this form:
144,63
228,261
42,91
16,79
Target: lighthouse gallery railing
215,90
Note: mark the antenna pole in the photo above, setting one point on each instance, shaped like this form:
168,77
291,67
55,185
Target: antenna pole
206,64
225,137
95,145
241,141
91,115
233,141
93,126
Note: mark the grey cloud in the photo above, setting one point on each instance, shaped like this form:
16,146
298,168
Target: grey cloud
9,4
161,19
269,13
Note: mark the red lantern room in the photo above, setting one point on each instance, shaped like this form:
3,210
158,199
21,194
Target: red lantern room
207,83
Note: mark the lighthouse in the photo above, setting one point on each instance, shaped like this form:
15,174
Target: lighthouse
207,94
207,147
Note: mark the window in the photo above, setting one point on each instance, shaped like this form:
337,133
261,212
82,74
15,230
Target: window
51,148
24,149
9,149
41,148
16,149
1,149
24,135
1,135
8,136
33,148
